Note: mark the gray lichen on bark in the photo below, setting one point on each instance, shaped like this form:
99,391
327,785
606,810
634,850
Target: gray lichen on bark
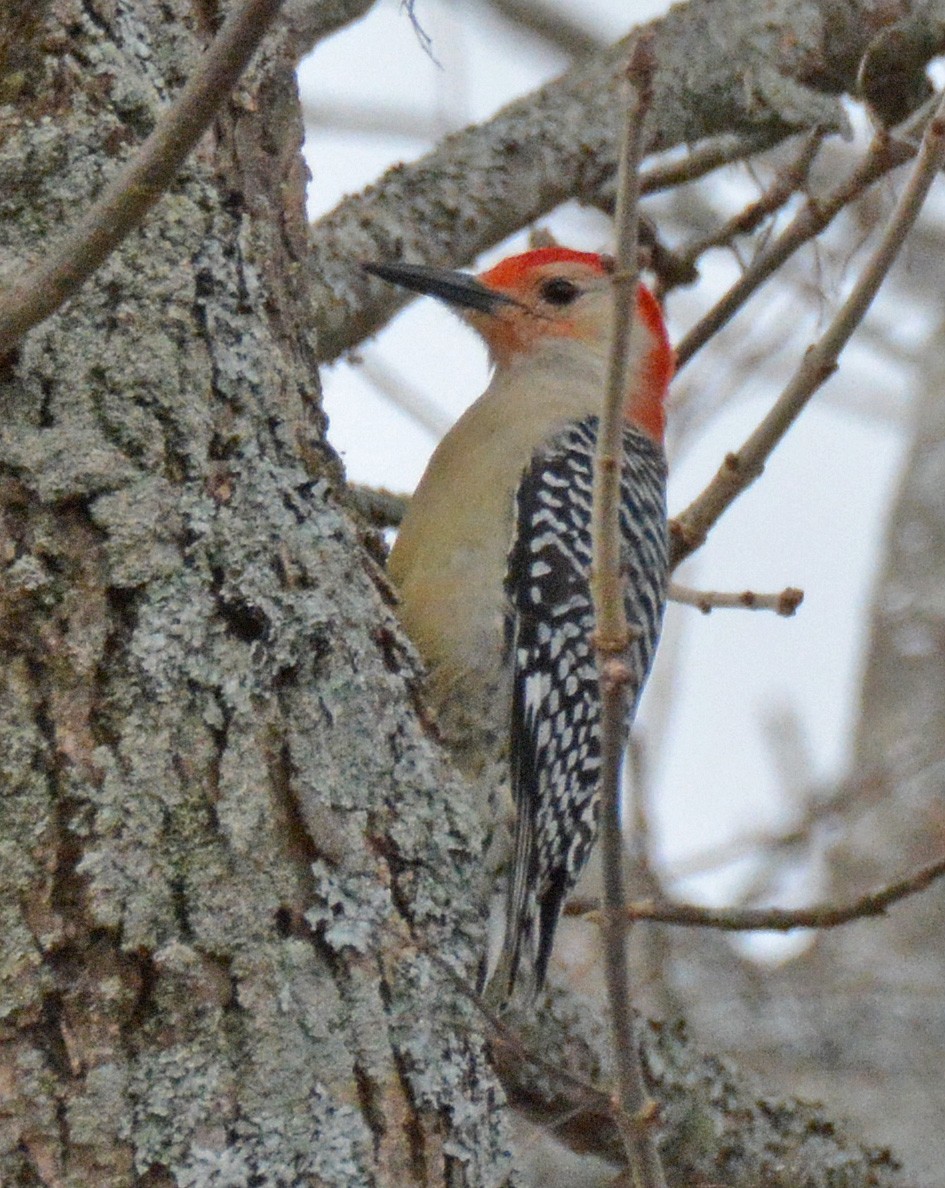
209,765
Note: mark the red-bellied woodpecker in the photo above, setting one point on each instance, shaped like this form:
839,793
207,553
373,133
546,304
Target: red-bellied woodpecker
493,556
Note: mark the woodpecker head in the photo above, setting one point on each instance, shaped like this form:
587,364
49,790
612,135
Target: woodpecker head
553,299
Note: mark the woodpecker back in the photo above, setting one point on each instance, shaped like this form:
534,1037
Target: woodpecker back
555,720
493,556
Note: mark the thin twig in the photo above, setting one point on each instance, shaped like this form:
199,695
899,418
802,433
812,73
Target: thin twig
795,769
884,154
364,118
690,915
787,181
819,809
702,159
128,197
783,603
612,635
397,389
739,470
652,967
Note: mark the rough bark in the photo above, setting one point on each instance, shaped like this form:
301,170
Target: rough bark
898,758
718,1125
225,838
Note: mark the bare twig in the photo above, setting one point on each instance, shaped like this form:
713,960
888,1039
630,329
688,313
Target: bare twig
128,197
784,603
795,770
397,389
612,635
364,118
690,915
786,183
739,470
885,153
653,962
702,159
818,809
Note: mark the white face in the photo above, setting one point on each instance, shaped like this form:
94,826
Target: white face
551,303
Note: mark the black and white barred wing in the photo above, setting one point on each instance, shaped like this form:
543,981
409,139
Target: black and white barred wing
555,721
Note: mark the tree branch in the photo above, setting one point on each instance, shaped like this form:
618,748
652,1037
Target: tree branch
380,507
550,24
784,603
140,182
787,181
885,153
690,915
740,469
488,181
612,635
700,160
716,1130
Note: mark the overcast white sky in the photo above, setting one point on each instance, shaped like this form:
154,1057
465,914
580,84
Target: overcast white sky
814,520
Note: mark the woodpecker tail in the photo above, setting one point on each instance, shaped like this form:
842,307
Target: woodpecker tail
529,939
528,932
536,887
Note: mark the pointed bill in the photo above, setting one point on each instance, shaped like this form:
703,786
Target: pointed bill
459,289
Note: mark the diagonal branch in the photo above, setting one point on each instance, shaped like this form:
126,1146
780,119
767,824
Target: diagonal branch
550,24
700,160
885,153
740,469
140,183
788,180
558,143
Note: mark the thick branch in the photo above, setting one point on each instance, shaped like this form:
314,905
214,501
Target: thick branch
488,181
714,1130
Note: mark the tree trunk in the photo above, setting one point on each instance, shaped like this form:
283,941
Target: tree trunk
226,841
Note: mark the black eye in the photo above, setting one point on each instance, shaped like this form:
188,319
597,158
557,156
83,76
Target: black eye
559,291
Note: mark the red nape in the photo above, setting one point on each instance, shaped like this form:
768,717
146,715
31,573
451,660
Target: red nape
662,360
645,406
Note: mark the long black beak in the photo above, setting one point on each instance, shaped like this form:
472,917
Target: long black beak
455,288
